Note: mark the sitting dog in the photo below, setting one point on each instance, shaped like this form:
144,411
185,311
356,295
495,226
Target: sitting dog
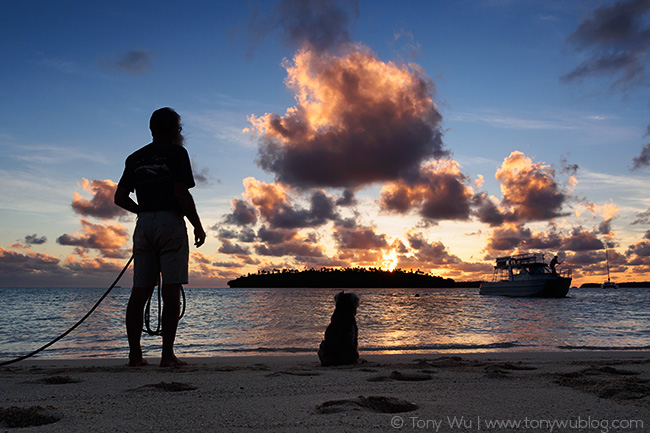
340,345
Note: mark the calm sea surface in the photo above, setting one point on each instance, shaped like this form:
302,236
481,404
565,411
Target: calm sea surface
252,321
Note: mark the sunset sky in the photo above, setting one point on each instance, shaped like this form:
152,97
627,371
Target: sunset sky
425,135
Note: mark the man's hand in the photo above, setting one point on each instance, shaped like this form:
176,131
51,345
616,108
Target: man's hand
186,202
199,236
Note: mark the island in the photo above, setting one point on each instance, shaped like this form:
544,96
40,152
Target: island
341,278
629,284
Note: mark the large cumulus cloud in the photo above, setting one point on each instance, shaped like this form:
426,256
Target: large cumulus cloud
529,190
357,120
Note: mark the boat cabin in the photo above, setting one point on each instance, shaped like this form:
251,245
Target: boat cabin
524,266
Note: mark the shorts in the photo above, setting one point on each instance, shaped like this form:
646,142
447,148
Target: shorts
160,245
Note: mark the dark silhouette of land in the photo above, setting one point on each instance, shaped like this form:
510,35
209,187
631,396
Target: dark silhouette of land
633,284
345,278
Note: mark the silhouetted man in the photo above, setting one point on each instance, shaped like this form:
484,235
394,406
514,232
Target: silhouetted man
554,262
161,175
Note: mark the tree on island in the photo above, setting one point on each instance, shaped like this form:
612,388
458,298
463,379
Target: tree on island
341,278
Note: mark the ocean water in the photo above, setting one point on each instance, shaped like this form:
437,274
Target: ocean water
220,322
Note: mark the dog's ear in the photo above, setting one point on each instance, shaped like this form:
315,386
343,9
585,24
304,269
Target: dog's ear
336,297
355,300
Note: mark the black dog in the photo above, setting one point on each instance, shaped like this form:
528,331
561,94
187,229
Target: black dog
340,345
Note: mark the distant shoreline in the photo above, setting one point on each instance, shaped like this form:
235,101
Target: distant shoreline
346,278
632,284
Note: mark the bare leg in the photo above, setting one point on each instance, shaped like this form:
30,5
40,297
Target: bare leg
134,319
171,294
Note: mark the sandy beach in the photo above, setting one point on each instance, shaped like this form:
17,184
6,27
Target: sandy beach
497,392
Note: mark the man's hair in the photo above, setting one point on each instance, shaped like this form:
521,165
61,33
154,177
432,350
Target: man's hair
165,123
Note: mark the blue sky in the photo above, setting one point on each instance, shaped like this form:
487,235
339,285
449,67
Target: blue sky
79,81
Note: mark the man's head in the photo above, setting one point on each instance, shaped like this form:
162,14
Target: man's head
165,125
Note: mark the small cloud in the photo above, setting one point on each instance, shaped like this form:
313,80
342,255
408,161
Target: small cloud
242,213
643,160
35,239
323,24
101,205
131,62
439,193
201,176
274,205
348,235
109,239
616,38
642,218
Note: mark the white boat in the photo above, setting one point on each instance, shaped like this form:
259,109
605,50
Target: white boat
527,275
609,284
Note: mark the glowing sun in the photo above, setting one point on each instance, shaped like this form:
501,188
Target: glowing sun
389,261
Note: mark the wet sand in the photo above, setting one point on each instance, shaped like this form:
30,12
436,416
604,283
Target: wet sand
555,391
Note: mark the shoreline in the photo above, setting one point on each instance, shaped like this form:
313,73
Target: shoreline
567,356
279,392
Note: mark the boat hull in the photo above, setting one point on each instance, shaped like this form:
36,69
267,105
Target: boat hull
556,287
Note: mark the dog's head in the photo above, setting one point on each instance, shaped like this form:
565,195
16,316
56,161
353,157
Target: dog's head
346,302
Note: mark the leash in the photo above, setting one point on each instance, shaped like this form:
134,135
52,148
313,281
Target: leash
147,312
40,349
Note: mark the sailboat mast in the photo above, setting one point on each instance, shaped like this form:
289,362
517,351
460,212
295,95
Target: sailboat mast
607,263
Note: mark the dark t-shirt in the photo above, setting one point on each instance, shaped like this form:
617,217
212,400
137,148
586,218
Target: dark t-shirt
152,172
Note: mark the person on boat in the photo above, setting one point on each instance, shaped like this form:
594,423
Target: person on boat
554,262
160,174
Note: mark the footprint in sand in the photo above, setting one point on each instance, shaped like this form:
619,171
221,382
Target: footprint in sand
293,373
401,376
58,380
18,417
168,387
372,403
607,382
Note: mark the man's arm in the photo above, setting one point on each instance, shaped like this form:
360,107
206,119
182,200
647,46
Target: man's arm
186,202
123,200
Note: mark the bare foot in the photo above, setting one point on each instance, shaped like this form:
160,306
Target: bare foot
138,362
171,362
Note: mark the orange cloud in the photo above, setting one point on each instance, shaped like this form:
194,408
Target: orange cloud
266,197
274,204
101,205
30,262
529,190
204,268
439,193
357,120
108,238
98,264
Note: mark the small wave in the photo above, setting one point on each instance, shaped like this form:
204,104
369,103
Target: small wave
371,349
441,347
585,347
273,350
